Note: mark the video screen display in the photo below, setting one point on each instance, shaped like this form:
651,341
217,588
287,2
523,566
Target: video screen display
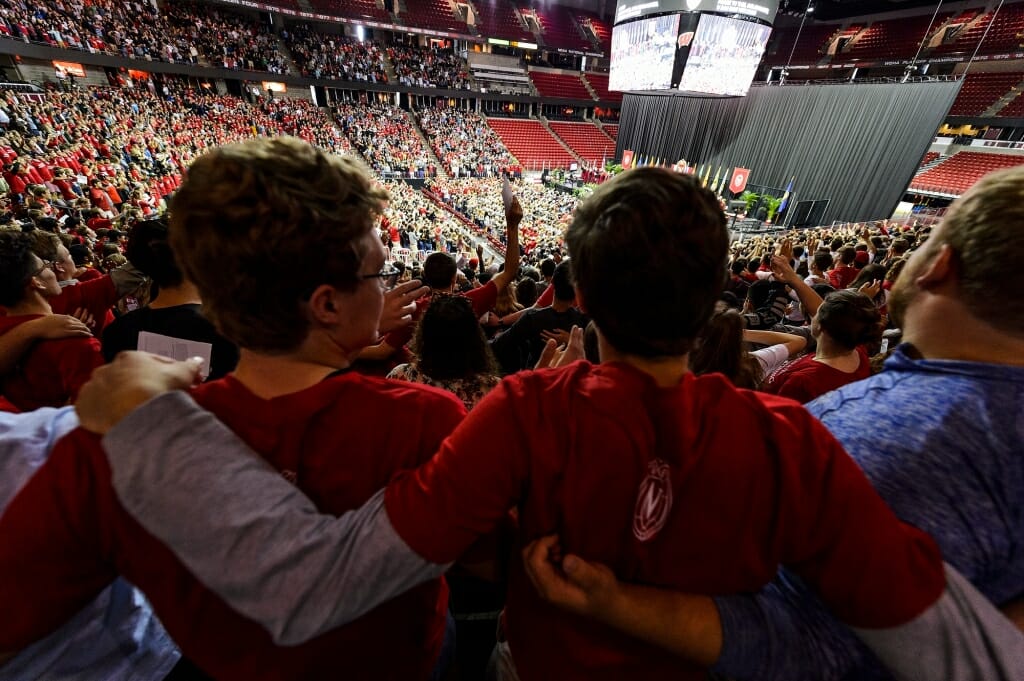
724,56
643,54
764,10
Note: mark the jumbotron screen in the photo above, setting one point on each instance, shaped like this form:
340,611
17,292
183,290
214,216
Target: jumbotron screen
724,56
643,54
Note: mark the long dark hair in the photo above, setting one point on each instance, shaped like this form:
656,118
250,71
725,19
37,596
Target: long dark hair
449,342
720,349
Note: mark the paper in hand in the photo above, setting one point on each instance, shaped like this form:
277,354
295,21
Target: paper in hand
506,192
176,348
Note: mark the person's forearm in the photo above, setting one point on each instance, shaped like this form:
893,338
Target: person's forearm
684,624
808,298
190,481
15,344
793,342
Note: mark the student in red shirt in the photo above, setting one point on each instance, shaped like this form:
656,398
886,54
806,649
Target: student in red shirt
846,321
97,294
845,272
670,479
51,373
267,205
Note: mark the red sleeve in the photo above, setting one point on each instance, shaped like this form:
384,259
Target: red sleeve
547,297
483,298
76,363
793,385
51,560
467,488
871,569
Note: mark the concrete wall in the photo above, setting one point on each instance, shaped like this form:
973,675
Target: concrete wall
40,72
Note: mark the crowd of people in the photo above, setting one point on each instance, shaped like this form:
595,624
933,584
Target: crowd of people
465,144
548,211
334,57
178,32
614,419
387,139
429,67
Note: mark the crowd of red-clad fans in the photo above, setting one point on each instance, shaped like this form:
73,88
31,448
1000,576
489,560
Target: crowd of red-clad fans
631,422
429,67
336,57
387,139
177,32
465,144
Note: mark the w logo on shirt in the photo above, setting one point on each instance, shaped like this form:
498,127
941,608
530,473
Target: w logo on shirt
654,501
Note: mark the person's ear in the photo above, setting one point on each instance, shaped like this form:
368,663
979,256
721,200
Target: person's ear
325,305
939,270
581,304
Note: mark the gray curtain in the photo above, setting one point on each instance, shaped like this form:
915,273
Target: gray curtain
857,145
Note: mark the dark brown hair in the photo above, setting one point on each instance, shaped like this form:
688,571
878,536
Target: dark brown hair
259,225
648,255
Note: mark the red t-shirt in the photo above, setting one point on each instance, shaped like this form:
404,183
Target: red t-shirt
482,299
842,276
805,379
51,374
700,488
66,536
96,295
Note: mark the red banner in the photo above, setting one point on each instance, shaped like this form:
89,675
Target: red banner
627,159
739,180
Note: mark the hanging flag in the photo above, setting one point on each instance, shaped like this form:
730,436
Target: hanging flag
714,183
707,176
785,197
739,180
627,159
720,181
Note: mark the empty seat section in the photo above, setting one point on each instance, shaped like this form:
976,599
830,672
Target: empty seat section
586,140
436,14
531,143
894,38
599,82
982,90
351,8
599,26
559,85
1015,109
960,171
809,50
612,129
928,158
498,19
559,28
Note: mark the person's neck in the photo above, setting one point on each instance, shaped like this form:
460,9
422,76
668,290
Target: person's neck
667,372
35,303
831,353
561,305
269,376
927,327
173,296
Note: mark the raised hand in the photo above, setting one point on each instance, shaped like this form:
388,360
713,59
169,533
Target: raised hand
400,305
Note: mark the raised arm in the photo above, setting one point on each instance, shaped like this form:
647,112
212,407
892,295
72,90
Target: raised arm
513,216
793,342
785,273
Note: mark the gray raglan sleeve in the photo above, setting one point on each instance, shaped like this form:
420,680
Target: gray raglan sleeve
961,637
784,633
246,532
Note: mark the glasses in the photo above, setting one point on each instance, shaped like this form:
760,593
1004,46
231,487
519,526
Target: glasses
386,276
46,266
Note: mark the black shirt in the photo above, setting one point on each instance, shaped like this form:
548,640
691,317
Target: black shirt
181,321
520,347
